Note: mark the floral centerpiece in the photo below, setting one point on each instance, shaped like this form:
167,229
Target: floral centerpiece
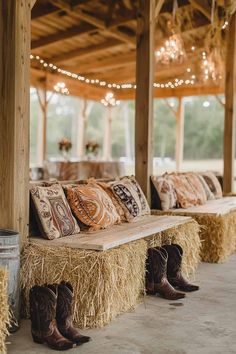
65,146
92,148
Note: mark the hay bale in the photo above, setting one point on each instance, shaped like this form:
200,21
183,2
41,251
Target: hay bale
217,234
105,283
4,310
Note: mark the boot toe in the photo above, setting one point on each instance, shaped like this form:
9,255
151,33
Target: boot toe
190,288
82,339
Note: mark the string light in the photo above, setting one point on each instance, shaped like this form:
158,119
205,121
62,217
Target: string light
226,23
97,82
109,100
60,87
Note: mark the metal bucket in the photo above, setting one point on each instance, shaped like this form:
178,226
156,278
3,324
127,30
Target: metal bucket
10,259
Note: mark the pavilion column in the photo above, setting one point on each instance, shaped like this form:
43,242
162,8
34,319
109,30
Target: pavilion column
14,114
144,93
107,135
230,107
84,112
179,147
42,126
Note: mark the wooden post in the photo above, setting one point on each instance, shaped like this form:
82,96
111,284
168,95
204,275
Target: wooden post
82,119
14,114
179,147
42,126
127,131
144,94
230,107
107,154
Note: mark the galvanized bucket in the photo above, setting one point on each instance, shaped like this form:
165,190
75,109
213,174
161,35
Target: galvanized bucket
10,259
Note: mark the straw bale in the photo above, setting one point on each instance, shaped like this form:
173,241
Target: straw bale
4,310
107,283
217,234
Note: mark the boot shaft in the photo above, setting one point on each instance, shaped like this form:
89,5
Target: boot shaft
156,264
174,264
64,304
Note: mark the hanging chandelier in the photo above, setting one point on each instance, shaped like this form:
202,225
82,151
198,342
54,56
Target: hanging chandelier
173,51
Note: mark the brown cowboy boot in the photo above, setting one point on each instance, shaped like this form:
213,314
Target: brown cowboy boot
43,302
156,278
64,314
174,274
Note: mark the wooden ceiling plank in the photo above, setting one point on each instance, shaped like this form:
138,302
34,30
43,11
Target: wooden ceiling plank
83,53
94,21
62,35
202,6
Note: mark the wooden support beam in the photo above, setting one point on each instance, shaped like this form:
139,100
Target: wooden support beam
179,145
14,115
32,3
84,53
144,94
43,104
62,35
114,32
85,110
107,141
202,6
230,107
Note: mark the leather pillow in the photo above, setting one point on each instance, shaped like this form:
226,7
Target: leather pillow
165,189
91,205
53,212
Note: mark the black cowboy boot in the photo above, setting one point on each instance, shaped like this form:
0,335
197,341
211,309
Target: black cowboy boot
43,302
64,314
156,278
174,274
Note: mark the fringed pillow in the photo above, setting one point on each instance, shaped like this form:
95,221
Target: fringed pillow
197,187
53,212
166,192
91,206
186,196
213,184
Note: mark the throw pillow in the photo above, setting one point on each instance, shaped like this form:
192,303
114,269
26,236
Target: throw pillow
92,206
165,189
53,212
186,196
209,194
213,184
197,187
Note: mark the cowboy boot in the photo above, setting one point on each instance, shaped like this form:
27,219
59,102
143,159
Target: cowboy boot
156,278
43,302
174,274
64,314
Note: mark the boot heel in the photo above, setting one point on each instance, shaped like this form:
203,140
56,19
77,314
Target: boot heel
37,339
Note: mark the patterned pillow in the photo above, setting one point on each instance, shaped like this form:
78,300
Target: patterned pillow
197,187
53,212
186,196
144,204
165,189
116,201
129,195
213,184
209,194
91,205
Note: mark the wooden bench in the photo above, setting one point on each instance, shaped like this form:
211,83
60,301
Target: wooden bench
107,267
217,219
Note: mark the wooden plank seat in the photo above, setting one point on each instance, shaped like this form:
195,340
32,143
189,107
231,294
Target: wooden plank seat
117,235
107,267
217,219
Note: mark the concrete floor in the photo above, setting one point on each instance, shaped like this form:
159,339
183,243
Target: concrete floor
204,322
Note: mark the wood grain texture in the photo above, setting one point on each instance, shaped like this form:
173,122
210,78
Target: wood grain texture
14,114
230,108
144,94
118,234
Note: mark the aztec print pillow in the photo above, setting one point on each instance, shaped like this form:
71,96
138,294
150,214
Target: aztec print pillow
129,195
213,184
116,201
197,187
165,189
91,205
209,194
186,196
53,212
144,204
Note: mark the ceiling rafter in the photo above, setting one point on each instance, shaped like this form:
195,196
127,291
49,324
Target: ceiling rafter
62,35
114,32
